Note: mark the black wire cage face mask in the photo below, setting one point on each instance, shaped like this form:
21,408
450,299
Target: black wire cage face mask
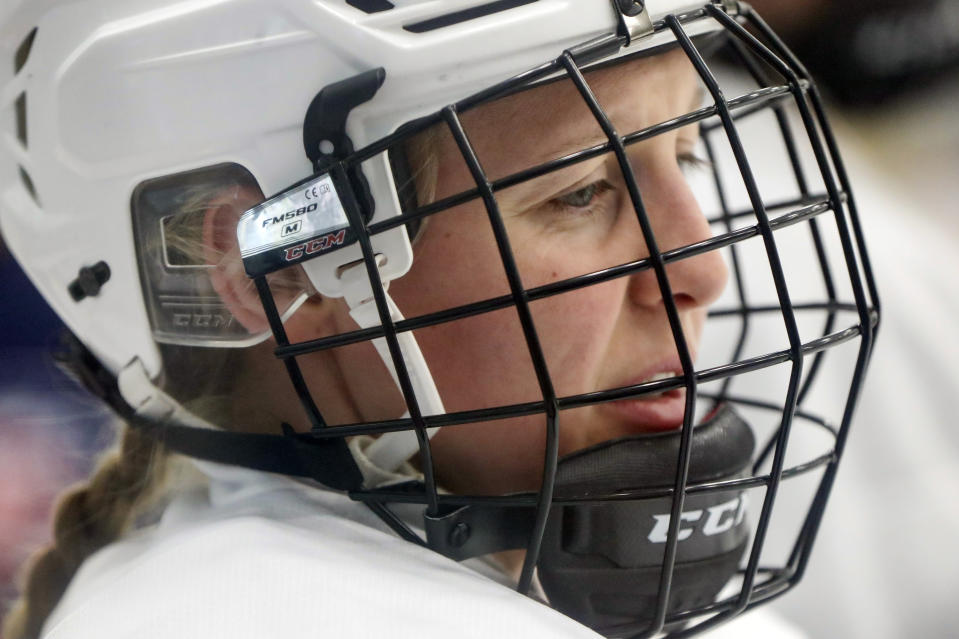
650,532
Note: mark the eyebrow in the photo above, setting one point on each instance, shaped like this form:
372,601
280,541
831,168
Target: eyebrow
595,138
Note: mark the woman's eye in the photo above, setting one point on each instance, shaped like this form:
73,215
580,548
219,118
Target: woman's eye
584,197
692,162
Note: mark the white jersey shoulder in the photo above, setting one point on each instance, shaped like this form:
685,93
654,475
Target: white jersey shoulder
264,556
762,623
273,558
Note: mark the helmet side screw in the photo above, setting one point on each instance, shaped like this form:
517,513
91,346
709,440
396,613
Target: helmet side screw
89,281
459,535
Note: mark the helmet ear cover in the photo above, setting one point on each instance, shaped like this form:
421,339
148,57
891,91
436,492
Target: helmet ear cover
177,269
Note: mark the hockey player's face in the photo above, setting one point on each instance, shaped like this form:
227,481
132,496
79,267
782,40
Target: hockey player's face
575,221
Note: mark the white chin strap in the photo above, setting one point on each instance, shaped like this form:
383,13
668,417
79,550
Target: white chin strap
391,450
147,400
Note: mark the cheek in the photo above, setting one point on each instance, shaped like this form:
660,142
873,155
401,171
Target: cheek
481,362
484,360
491,458
576,328
576,332
478,361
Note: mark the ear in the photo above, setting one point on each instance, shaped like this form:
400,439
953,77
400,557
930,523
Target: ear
238,292
221,251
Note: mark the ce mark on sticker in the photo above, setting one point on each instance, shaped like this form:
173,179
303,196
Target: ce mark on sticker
316,191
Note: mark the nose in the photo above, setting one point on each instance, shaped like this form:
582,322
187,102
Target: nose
677,221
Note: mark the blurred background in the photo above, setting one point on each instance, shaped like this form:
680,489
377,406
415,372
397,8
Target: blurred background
50,429
885,565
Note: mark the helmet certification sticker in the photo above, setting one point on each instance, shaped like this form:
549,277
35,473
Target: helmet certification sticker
302,222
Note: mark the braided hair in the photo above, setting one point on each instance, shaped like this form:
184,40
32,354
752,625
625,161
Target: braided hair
87,517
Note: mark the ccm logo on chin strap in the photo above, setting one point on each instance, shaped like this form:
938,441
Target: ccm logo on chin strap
708,522
315,245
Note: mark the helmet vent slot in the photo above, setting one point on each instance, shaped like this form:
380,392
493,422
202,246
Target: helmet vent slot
20,57
465,15
28,185
21,110
23,51
370,6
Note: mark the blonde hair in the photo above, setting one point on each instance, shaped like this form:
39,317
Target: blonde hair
87,517
128,481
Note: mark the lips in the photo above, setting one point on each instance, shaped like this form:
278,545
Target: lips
655,412
662,413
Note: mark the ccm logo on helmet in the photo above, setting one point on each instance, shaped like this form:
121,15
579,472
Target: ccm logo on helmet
315,245
714,520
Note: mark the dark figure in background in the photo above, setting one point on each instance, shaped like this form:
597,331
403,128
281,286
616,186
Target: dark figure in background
868,51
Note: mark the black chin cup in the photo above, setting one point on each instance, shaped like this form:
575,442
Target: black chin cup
601,563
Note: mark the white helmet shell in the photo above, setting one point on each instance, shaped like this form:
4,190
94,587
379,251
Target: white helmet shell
116,92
